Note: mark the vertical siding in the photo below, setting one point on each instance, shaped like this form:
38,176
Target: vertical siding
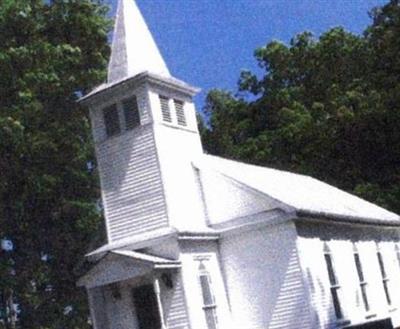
264,279
131,184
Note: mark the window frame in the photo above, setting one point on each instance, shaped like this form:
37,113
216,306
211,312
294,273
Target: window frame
384,276
111,113
165,107
363,283
133,121
180,114
208,308
335,286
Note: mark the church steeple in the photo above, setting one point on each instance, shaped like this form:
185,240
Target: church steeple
146,136
133,49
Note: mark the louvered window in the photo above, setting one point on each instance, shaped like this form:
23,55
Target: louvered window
335,287
209,304
361,278
165,111
111,120
131,113
180,112
385,278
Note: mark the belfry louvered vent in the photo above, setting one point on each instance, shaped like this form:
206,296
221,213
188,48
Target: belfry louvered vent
131,113
180,112
111,120
166,113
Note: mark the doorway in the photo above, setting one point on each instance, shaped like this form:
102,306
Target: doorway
145,302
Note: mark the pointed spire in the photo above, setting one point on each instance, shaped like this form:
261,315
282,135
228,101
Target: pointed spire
133,48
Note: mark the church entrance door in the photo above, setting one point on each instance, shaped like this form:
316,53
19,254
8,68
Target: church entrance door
145,302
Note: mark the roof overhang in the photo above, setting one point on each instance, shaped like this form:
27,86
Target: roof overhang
135,242
326,216
121,265
108,89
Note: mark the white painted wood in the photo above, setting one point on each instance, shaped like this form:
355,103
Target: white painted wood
133,49
131,184
341,239
192,253
303,193
264,280
226,199
174,304
246,223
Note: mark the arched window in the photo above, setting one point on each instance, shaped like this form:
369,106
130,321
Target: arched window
209,304
335,287
361,278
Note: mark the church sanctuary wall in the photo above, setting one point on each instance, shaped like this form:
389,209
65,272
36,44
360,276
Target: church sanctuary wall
264,279
130,177
193,254
341,242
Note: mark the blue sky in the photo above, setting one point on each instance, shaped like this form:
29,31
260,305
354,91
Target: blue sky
208,42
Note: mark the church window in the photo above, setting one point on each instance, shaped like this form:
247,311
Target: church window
180,112
111,120
385,279
209,304
333,280
361,278
165,111
131,113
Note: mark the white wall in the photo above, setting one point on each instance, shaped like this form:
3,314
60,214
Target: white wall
192,252
129,171
174,304
177,147
340,240
263,278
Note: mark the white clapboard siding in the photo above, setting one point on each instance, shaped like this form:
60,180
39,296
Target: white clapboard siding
175,307
131,184
264,280
341,241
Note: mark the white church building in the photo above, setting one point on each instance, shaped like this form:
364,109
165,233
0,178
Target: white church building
196,241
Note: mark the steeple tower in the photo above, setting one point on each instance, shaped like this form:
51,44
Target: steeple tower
133,48
146,137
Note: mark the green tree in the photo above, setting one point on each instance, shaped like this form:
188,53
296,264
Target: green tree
50,52
327,107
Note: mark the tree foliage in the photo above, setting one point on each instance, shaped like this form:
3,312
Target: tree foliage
327,107
50,52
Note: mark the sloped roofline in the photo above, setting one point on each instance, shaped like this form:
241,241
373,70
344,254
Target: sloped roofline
300,212
166,82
